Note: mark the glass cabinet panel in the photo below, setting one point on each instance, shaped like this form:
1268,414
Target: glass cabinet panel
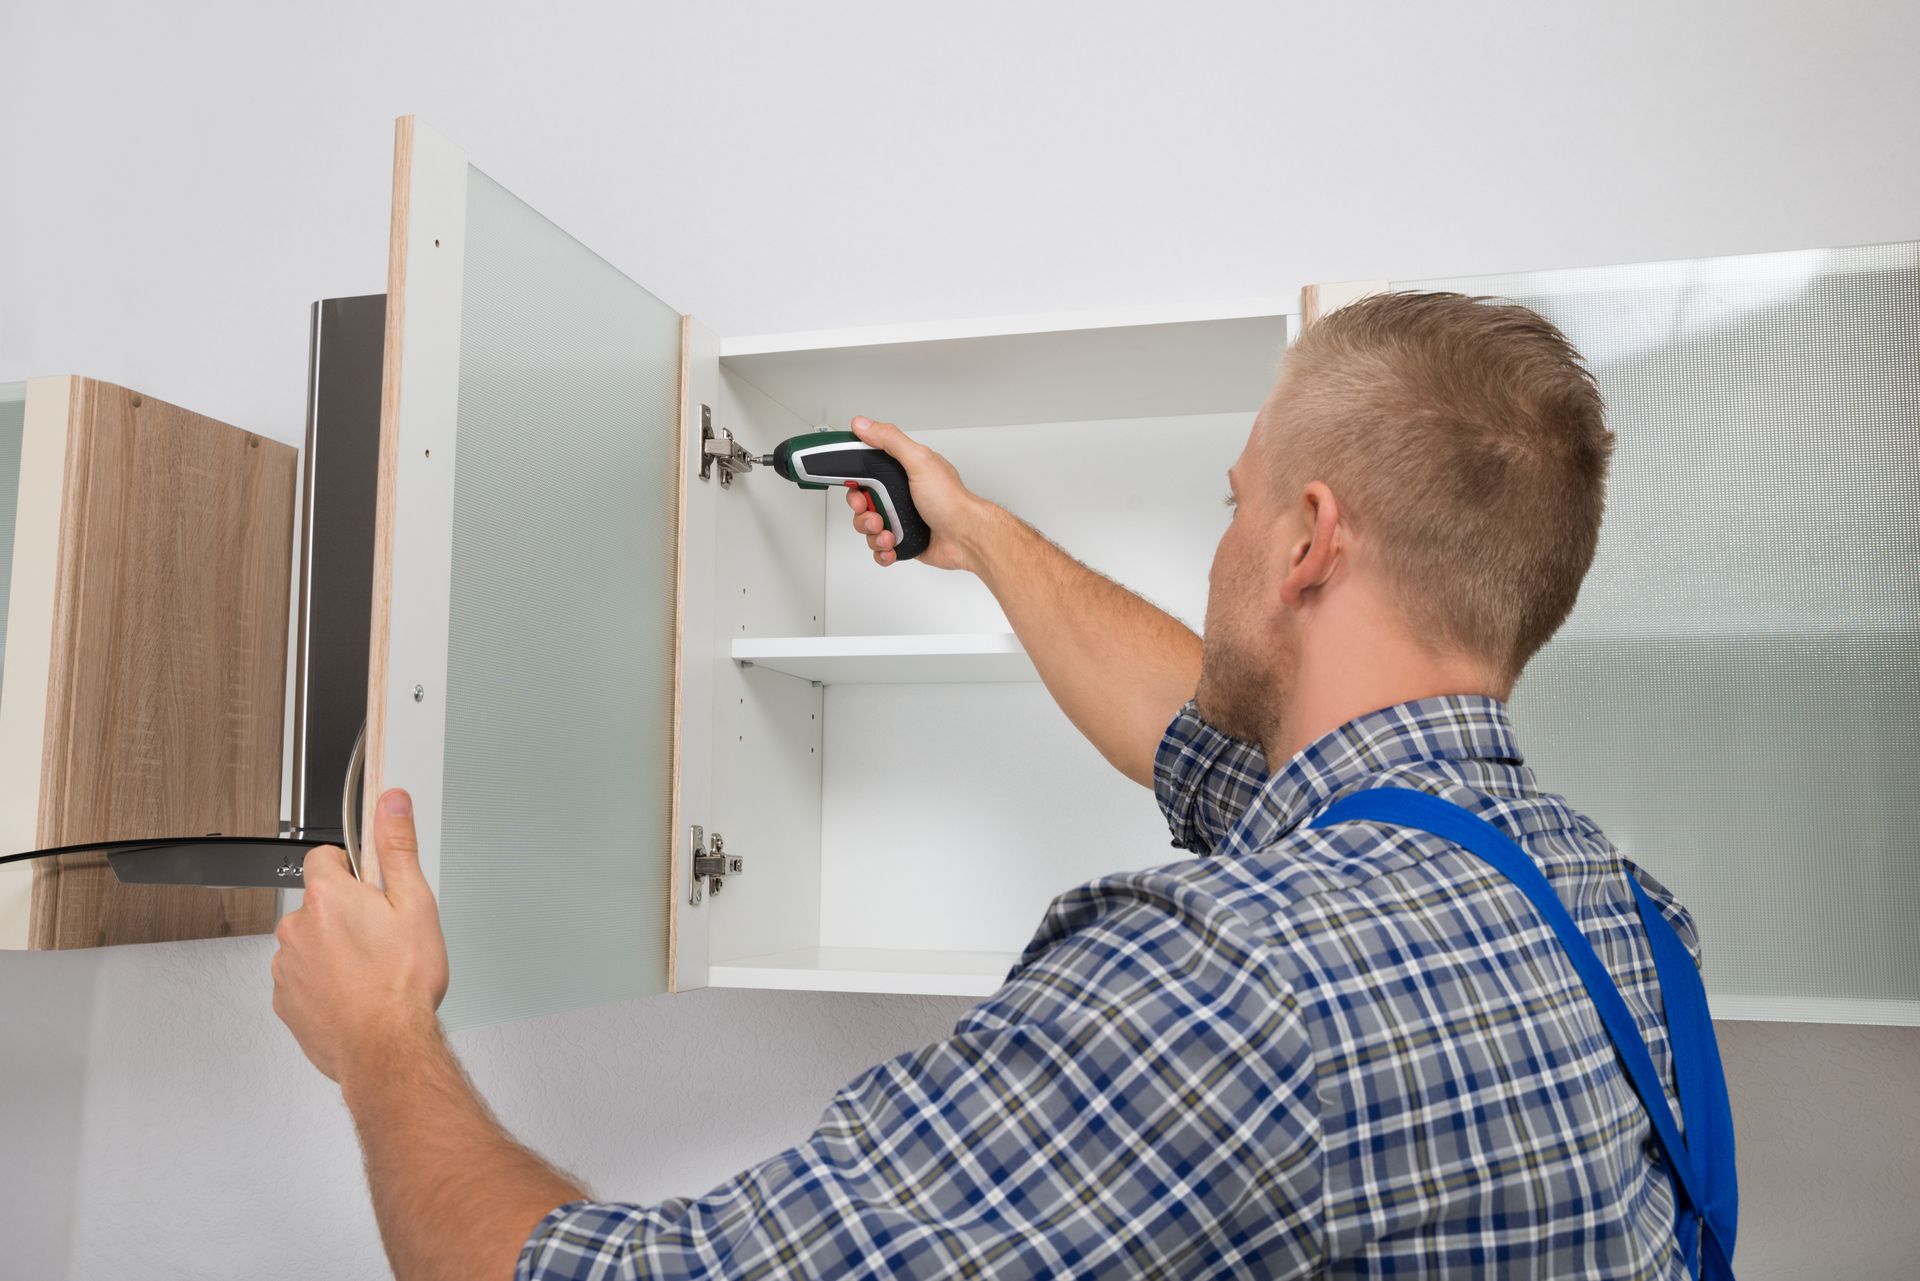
560,653
530,654
1736,698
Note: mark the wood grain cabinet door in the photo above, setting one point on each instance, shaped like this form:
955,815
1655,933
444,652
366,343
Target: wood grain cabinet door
145,656
526,680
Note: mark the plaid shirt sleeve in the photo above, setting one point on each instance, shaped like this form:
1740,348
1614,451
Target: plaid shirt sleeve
1204,780
1139,1098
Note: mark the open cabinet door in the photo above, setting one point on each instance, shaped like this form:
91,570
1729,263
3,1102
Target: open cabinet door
525,679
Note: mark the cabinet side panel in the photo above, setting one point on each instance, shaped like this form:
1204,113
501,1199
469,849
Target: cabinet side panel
168,662
413,503
770,540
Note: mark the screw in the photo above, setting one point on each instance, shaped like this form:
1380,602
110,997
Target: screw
419,692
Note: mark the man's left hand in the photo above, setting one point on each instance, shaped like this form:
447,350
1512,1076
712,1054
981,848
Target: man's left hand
360,970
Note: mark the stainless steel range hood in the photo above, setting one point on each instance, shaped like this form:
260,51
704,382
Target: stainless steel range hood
215,862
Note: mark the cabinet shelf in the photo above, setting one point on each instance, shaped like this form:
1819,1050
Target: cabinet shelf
890,660
868,969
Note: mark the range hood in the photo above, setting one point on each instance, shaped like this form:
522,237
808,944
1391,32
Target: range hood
340,476
216,862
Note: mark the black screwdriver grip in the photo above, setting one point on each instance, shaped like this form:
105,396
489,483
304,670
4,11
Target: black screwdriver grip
876,469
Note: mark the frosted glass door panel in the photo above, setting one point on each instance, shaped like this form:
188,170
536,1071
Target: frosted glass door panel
1736,698
13,412
561,631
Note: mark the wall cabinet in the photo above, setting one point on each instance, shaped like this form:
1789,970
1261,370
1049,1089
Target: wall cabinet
1736,698
558,590
144,555
594,667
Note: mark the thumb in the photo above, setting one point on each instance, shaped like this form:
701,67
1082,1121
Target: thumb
397,845
886,437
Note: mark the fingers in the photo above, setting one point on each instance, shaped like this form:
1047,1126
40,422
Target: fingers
869,522
322,864
865,519
398,846
889,438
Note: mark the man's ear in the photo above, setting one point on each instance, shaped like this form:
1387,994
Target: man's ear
1311,560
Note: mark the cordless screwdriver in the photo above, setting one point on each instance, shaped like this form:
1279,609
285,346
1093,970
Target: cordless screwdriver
833,459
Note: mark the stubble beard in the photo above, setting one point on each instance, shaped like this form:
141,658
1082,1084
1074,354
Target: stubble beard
1241,693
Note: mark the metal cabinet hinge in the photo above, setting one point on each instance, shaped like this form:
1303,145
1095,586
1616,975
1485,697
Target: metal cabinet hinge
720,449
711,866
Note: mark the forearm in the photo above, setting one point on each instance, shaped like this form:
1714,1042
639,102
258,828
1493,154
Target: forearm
1118,666
455,1196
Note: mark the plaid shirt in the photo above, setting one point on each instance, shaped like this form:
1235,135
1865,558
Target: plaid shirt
1352,1052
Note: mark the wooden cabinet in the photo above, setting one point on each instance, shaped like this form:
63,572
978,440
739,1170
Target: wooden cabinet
594,666
146,551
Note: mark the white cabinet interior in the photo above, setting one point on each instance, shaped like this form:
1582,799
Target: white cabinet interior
946,799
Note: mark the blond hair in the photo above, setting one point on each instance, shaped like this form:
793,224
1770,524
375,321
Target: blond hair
1465,439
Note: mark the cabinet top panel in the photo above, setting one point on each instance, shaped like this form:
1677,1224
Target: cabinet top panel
1086,367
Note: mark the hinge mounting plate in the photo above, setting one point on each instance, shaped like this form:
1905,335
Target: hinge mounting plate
720,449
711,866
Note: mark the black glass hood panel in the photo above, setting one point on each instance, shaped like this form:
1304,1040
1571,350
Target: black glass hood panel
215,862
341,483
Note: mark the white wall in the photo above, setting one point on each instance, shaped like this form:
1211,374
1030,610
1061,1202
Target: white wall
178,181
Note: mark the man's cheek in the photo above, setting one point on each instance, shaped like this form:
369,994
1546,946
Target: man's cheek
1220,580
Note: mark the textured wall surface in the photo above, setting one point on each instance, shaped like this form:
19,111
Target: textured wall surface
181,181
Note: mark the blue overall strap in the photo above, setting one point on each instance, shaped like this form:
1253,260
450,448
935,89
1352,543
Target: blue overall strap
1703,1172
1701,1083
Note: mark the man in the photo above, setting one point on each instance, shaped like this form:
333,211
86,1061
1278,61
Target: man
1350,1050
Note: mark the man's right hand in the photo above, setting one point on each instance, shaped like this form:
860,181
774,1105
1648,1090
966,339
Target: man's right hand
958,518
